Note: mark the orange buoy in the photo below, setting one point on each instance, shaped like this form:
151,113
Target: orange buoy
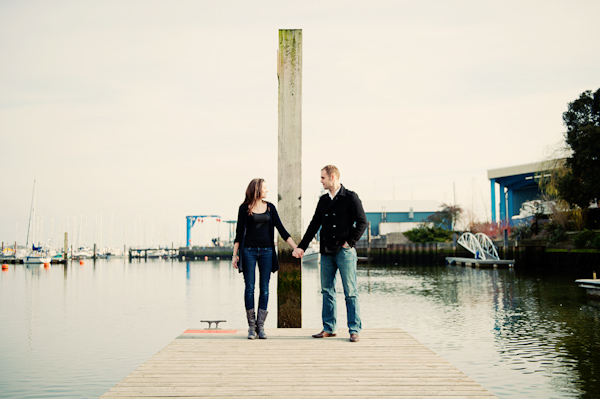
4,266
46,265
81,262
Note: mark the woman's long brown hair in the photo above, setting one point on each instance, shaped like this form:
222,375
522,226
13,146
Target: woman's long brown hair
253,193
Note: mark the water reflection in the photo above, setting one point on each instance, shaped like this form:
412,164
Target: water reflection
76,330
510,332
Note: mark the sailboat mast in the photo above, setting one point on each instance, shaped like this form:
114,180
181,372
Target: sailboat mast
31,212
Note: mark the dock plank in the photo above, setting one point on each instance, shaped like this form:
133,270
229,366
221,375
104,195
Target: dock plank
290,364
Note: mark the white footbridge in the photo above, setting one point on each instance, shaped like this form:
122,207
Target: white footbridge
484,251
479,245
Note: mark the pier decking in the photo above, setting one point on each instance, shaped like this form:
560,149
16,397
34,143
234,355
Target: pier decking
592,286
290,364
480,262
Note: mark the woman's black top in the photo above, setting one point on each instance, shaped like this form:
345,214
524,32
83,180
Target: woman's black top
257,230
243,230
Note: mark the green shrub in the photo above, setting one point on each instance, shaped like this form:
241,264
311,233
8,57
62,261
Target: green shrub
595,242
522,231
584,238
557,233
428,234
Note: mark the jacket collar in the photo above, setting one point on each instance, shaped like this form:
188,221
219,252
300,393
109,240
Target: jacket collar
335,199
341,191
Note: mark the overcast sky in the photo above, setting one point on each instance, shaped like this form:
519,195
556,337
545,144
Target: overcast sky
138,113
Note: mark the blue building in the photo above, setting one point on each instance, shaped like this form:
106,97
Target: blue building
397,216
514,185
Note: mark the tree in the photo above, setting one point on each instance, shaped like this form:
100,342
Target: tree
436,227
580,185
446,217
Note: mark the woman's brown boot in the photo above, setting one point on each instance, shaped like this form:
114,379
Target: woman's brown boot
251,323
260,322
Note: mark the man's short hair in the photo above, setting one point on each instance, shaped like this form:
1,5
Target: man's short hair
332,170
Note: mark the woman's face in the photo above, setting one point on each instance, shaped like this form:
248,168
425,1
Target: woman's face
264,191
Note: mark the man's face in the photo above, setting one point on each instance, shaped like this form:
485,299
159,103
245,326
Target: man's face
326,181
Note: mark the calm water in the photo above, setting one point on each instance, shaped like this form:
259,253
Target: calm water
76,330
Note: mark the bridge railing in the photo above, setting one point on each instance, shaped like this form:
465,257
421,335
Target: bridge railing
479,245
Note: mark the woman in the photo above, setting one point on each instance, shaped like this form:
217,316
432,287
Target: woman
255,241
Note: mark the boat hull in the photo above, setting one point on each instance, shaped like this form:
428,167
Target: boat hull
311,255
36,260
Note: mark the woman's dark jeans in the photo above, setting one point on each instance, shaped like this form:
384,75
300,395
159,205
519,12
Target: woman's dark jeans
264,258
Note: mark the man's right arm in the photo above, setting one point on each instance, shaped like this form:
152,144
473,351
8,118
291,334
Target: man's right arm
312,229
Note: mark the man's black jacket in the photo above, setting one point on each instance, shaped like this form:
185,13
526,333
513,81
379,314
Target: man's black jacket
341,220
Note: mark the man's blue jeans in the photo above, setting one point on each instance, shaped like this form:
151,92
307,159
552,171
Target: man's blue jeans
344,261
264,258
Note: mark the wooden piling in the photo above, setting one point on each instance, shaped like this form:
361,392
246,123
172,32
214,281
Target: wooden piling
289,201
66,246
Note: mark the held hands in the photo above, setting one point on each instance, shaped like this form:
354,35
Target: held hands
298,253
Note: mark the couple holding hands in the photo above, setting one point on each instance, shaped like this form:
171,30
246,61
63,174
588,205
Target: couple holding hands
342,220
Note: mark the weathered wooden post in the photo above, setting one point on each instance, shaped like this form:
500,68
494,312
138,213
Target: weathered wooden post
505,243
369,242
289,74
454,241
66,246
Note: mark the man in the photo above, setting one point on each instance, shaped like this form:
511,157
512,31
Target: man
343,221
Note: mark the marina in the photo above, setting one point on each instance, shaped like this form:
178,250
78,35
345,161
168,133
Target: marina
291,364
158,122
76,330
152,253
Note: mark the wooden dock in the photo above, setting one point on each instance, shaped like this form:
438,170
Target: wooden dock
291,364
592,286
480,262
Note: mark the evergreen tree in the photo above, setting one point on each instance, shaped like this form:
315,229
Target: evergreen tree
580,185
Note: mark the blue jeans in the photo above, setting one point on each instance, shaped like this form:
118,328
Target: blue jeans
264,258
344,261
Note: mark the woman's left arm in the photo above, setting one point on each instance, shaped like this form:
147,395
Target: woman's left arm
282,231
290,241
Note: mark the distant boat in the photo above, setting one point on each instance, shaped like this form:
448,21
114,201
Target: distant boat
8,252
83,253
312,254
36,256
157,253
59,258
8,255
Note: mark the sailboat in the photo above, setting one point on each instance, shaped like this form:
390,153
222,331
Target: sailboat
37,256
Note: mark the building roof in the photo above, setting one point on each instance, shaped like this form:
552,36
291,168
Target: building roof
523,169
401,206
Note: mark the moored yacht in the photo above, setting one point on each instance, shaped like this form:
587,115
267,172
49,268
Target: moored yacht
37,256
